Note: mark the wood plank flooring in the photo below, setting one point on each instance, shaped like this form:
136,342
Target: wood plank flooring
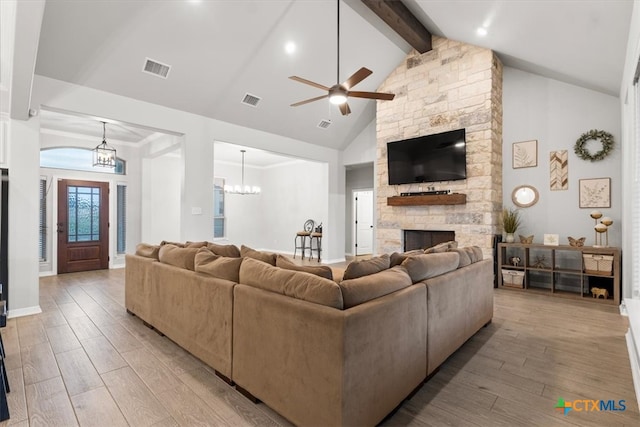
84,361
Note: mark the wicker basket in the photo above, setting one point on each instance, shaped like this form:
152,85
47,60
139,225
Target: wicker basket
598,264
512,278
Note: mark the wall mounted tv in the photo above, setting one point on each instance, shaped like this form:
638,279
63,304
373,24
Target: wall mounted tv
429,158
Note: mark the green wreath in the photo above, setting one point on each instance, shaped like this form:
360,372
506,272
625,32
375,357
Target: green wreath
605,138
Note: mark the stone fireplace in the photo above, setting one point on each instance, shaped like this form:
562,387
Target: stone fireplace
454,86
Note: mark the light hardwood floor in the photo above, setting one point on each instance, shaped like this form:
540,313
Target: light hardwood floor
85,361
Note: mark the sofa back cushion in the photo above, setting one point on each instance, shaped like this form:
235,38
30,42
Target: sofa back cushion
196,245
318,270
217,266
295,284
465,258
396,258
366,267
365,288
422,267
441,247
177,256
230,251
166,242
148,251
268,257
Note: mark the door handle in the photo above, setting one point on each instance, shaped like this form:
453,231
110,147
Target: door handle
59,228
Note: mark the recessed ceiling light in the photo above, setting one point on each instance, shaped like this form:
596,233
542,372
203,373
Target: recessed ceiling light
290,47
481,31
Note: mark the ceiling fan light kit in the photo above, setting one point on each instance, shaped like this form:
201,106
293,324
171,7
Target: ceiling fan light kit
339,93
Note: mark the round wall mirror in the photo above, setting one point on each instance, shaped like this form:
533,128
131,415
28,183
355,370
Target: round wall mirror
524,196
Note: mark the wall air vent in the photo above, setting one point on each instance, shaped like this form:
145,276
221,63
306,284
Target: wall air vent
251,100
156,68
324,124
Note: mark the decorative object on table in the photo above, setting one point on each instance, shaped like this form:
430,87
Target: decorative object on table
605,139
539,262
576,243
595,193
607,222
524,196
510,223
527,240
515,260
598,292
559,170
600,228
596,215
525,154
551,239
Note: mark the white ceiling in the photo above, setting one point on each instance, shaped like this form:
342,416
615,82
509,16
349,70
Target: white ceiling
220,50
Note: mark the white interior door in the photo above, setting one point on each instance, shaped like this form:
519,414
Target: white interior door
363,212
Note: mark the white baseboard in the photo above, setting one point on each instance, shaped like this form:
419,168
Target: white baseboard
27,311
47,273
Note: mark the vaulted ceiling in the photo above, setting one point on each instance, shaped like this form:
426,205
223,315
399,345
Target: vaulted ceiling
219,51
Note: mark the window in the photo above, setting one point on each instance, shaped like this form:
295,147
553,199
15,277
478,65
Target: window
121,215
42,245
79,159
218,208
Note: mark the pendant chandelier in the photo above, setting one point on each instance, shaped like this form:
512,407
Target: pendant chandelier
103,155
242,189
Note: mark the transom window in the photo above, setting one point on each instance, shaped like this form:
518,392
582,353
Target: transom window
78,159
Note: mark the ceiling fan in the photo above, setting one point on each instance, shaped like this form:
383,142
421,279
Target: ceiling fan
339,93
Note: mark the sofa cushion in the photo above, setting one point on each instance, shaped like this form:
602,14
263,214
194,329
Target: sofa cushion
477,252
441,247
422,267
166,242
196,245
365,288
465,256
230,251
177,256
268,257
396,258
148,251
366,267
217,266
296,284
318,270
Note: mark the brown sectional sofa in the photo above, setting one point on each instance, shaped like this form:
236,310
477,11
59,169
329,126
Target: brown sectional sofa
316,351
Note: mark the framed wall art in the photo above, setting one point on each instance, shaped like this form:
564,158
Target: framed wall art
595,193
525,154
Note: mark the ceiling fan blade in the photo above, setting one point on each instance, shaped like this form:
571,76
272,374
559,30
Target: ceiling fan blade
357,77
344,109
306,101
373,95
309,82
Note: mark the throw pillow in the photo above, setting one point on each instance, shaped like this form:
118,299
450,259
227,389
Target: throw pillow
366,267
366,288
320,270
442,247
465,257
148,251
295,284
217,266
479,256
268,257
166,242
177,256
195,244
422,267
397,257
230,251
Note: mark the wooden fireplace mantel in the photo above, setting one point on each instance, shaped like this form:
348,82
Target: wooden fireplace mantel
428,199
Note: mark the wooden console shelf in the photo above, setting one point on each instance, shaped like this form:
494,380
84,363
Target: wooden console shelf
559,270
428,199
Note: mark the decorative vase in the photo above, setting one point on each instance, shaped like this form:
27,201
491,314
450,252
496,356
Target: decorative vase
510,238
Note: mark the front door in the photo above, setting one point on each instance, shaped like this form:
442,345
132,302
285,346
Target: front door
83,225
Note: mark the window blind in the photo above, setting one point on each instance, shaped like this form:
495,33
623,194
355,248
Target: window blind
42,242
121,214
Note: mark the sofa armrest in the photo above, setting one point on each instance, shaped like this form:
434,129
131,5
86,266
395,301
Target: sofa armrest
137,285
459,303
317,365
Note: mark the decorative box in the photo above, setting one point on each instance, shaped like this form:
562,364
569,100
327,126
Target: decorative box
598,264
512,278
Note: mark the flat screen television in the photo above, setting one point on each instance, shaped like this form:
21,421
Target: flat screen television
429,158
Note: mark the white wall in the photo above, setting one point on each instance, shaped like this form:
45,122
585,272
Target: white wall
556,114
161,192
362,149
631,177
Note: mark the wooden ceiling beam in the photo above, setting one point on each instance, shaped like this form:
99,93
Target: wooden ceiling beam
403,22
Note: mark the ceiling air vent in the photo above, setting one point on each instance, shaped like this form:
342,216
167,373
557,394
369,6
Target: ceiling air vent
156,68
324,124
251,100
